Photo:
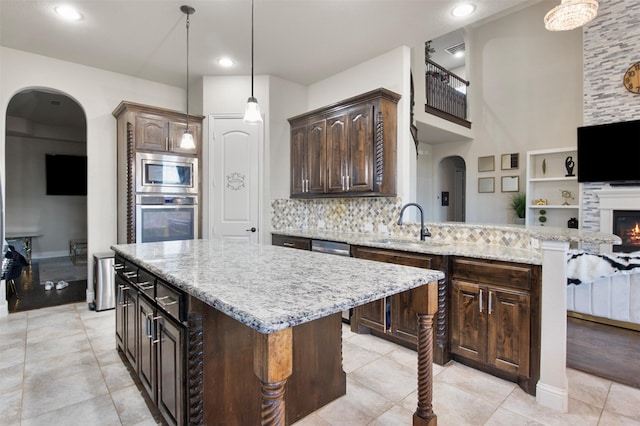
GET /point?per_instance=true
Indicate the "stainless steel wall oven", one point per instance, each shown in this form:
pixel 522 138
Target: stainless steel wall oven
pixel 166 217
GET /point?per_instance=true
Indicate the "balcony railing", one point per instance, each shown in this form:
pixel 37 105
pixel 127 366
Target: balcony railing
pixel 446 94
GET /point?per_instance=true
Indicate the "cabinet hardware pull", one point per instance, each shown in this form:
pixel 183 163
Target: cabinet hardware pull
pixel 288 244
pixel 145 285
pixel 343 182
pixel 490 307
pixel 347 183
pixel 121 290
pixel 480 300
pixel 118 266
pixel 130 274
pixel 147 320
pixel 153 329
pixel 160 301
pixel 307 183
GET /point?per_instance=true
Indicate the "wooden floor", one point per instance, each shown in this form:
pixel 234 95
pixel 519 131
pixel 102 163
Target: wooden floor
pixel 604 350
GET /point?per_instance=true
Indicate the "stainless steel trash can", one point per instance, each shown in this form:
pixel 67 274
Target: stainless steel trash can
pixel 103 281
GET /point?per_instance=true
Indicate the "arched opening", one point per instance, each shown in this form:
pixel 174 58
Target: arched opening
pixel 46 197
pixel 452 181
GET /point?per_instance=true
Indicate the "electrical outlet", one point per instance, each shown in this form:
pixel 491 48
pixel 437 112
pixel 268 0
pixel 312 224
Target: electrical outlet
pixel 535 243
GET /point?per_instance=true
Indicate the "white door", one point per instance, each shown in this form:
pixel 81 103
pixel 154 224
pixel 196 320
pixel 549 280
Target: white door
pixel 234 160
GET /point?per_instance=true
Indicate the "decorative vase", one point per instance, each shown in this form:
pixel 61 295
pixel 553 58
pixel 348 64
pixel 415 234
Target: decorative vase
pixel 572 223
pixel 569 164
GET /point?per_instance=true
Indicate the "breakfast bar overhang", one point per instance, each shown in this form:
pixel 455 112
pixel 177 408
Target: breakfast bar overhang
pixel 273 300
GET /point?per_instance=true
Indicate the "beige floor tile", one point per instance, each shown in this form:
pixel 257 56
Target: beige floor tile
pixel 395 416
pixel 454 406
pixel 612 419
pixel 404 356
pixel 42 397
pixel 492 389
pixel 131 405
pixel 312 420
pixel 52 368
pixel 51 348
pixel 100 322
pixel 116 376
pixel 9 324
pixel 17 338
pixel 12 356
pixel 10 407
pixel 579 413
pixel 358 407
pixel 354 356
pixel 11 378
pixel 587 388
pixel 503 417
pixel 109 356
pixel 388 378
pixel 624 400
pixel 53 330
pixel 373 344
pixel 96 411
pixel 49 311
pixel 149 422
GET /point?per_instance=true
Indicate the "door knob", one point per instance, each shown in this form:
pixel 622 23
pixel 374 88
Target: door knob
pixel 253 229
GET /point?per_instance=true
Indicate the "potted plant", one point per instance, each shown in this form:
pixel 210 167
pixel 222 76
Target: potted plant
pixel 519 206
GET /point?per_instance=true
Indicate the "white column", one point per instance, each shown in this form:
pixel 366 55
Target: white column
pixel 552 388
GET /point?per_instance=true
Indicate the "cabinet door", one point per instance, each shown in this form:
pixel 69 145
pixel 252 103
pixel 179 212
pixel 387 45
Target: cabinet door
pixel 151 132
pixel 292 242
pixel 373 315
pixel 509 330
pixel 404 319
pixel 469 320
pixel 131 327
pixel 316 157
pixel 360 148
pixel 147 357
pixel 171 360
pixel 121 289
pixel 176 130
pixel 336 153
pixel 298 159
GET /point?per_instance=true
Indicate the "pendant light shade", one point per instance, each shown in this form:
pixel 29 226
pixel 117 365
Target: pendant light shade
pixel 252 113
pixel 570 14
pixel 187 141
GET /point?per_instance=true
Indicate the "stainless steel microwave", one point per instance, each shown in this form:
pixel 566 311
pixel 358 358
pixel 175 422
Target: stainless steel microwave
pixel 166 174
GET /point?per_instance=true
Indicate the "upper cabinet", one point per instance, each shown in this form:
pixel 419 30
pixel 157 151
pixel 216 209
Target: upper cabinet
pixel 158 129
pixel 346 149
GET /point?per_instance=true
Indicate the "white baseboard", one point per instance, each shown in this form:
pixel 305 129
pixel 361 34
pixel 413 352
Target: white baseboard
pixel 552 397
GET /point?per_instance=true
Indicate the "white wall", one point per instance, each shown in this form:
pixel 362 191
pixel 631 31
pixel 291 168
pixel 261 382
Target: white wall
pixel 98 92
pixel 525 94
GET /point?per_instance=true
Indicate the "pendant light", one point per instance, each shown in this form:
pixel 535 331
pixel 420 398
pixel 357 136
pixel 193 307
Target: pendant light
pixel 187 138
pixel 252 111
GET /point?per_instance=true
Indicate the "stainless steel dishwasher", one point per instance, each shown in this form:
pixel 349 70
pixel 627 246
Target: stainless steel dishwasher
pixel 338 249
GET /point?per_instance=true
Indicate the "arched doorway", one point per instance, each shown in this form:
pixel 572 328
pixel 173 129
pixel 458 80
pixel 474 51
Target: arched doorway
pixel 46 197
pixel 452 173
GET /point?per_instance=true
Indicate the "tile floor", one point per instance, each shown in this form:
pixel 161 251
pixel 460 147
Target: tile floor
pixel 58 366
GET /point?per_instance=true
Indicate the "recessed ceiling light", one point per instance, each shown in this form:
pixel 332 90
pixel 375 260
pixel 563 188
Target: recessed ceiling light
pixel 68 12
pixel 463 10
pixel 226 62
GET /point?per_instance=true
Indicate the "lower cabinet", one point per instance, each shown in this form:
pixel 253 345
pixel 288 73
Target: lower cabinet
pixel 495 324
pixel 394 318
pixel 151 335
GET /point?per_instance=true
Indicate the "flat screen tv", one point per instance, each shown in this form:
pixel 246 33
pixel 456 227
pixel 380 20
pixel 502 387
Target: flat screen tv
pixel 609 153
pixel 66 174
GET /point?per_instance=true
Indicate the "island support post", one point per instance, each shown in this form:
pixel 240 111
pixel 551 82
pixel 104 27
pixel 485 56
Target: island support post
pixel 425 303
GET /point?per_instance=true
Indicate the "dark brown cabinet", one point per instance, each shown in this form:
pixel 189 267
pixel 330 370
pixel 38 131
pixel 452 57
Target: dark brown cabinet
pixel 347 149
pixel 159 132
pixel 494 318
pixel 393 317
pixel 292 242
pixel 171 340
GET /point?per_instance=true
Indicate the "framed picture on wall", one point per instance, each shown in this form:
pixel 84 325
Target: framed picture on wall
pixel 486 164
pixel 510 183
pixel 486 184
pixel 509 161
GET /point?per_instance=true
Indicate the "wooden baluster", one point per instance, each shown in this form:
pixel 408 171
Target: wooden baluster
pixel 272 364
pixel 426 305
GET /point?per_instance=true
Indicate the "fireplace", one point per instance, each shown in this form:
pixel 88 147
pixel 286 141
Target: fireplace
pixel 626 225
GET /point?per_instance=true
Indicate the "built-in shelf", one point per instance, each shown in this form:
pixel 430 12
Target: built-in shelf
pixel 547 180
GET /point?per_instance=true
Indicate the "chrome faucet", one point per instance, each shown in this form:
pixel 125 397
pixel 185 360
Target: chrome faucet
pixel 424 232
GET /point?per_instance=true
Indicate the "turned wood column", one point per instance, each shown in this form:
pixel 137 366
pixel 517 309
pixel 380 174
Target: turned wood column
pixel 426 305
pixel 272 363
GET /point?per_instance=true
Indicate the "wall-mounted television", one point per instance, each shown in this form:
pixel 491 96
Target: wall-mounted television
pixel 66 174
pixel 609 153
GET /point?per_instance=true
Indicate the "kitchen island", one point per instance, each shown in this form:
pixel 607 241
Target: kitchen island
pixel 248 307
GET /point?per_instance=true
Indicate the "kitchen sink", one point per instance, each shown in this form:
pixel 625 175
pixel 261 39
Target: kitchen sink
pixel 403 241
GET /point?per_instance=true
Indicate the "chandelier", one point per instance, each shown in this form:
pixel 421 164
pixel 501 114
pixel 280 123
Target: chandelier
pixel 570 14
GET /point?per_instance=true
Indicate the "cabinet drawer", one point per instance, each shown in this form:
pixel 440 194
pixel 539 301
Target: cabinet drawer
pixel 146 283
pixel 398 257
pixel 170 300
pixel 293 242
pixel 491 271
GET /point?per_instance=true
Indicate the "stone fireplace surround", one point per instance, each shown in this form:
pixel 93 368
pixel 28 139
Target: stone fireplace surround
pixel 615 198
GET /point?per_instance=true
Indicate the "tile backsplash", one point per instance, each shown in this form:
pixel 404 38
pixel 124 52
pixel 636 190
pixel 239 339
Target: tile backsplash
pixel 380 216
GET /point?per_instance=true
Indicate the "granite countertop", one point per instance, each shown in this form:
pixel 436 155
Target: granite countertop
pixel 457 248
pixel 437 247
pixel 271 288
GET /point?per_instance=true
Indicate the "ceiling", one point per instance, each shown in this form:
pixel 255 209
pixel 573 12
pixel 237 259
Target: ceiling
pixel 303 41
